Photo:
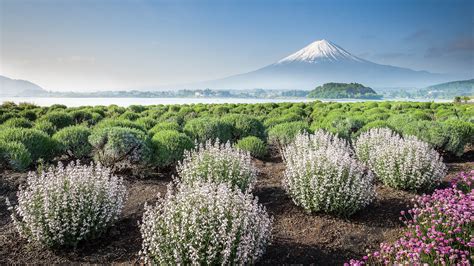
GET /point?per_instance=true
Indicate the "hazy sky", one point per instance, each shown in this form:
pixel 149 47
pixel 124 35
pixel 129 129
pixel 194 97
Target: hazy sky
pixel 102 44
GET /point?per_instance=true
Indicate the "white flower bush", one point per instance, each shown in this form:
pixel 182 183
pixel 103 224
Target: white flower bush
pixel 205 224
pixel 321 175
pixel 402 163
pixel 64 205
pixel 216 162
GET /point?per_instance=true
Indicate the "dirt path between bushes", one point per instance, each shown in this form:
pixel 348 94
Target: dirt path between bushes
pixel 299 237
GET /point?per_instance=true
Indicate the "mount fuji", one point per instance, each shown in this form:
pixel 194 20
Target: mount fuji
pixel 320 62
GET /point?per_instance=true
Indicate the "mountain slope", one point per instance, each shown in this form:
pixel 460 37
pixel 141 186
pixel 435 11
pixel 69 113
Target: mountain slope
pixel 451 89
pixel 322 62
pixel 17 87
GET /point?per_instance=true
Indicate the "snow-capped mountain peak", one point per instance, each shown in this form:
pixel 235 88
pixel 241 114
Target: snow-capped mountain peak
pixel 320 51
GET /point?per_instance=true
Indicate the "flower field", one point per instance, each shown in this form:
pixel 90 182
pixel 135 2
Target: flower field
pixel 323 183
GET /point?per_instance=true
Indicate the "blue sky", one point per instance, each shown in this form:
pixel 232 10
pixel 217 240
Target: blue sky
pixel 105 44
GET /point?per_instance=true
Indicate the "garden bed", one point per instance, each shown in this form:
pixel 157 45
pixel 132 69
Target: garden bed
pixel 299 237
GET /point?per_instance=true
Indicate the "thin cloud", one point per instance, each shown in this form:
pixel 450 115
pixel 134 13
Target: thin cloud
pixel 418 35
pixel 393 55
pixel 76 59
pixel 460 44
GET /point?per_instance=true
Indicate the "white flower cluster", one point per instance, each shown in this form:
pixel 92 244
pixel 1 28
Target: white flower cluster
pixel 216 162
pixel 403 163
pixel 322 175
pixel 64 205
pixel 205 224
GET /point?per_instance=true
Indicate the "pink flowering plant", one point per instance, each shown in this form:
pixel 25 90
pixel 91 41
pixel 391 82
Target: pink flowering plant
pixel 322 175
pixel 64 205
pixel 439 229
pixel 205 224
pixel 213 161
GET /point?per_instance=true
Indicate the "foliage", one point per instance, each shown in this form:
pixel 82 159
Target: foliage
pixel 14 155
pixel 18 122
pixel 64 205
pixel 402 163
pixel 322 176
pixel 164 126
pixel 208 224
pixel 343 90
pixel 170 146
pixel 73 141
pixel 45 126
pixel 146 122
pixel 283 134
pixel 202 129
pixel 216 162
pixel 254 145
pixel 244 126
pixel 121 148
pixel 118 123
pixel 59 119
pixel 38 143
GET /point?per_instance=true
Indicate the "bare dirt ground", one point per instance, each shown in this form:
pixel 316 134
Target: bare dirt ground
pixel 299 237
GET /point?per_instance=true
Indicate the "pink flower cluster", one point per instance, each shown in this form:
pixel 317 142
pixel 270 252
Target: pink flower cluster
pixel 440 229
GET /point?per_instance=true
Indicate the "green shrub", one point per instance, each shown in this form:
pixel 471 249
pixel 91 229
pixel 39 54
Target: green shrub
pixel 164 126
pixel 83 116
pixel 202 129
pixel 279 119
pixel 14 155
pixel 146 122
pixel 128 115
pixel 137 108
pixel 254 145
pixel 373 124
pixel 38 143
pixel 73 141
pixel 344 127
pixel 283 134
pixel 450 136
pixel 45 126
pixel 18 122
pixel 58 119
pixel 170 146
pixel 244 126
pixel 121 148
pixel 118 123
pixel 460 134
pixel 29 114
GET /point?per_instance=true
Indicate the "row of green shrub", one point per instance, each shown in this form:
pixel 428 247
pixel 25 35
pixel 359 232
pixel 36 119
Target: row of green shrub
pixel 45 132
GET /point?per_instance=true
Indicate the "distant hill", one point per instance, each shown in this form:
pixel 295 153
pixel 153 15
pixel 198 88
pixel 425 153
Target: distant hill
pixel 18 87
pixel 451 89
pixel 343 90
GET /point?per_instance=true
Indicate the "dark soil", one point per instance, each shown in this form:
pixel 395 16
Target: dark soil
pixel 299 237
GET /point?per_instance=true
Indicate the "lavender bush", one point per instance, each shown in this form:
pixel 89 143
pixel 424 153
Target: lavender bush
pixel 321 175
pixel 439 230
pixel 216 162
pixel 64 205
pixel 205 224
pixel 403 163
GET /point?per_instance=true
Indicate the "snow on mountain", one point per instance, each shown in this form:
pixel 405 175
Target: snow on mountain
pixel 320 51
